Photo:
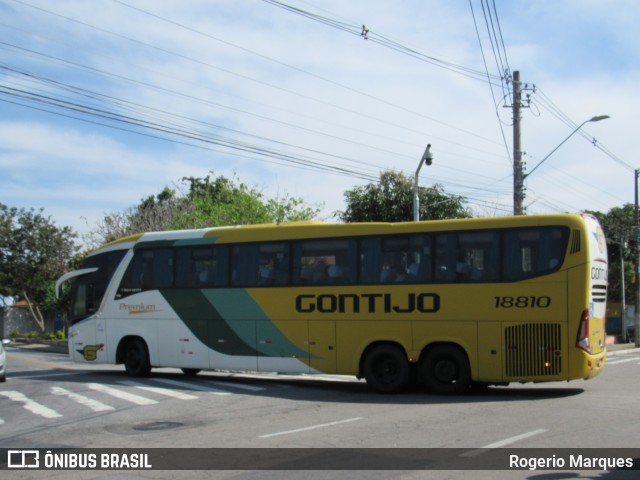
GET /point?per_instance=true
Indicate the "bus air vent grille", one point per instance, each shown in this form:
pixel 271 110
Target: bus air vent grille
pixel 533 350
pixel 575 241
pixel 599 293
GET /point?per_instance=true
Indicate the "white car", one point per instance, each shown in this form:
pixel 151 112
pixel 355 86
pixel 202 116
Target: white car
pixel 3 360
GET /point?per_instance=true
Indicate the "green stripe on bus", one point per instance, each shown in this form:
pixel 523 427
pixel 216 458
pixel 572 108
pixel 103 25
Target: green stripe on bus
pixel 206 323
pixel 225 321
pixel 237 304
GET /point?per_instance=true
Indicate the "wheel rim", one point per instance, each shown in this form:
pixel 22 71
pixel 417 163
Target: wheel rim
pixel 133 358
pixel 445 371
pixel 386 370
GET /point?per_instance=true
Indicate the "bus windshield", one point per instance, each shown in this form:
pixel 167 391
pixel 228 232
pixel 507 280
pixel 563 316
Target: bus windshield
pixel 88 289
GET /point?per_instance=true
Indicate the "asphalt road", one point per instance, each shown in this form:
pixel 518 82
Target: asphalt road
pixel 49 402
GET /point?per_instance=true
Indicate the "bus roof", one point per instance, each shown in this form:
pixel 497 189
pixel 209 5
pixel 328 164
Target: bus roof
pixel 319 229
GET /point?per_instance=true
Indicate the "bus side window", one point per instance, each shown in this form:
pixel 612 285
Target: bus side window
pixel 324 262
pixel 244 264
pixel 468 257
pixel 446 258
pixel 260 264
pixel 530 252
pixel 478 254
pixel 395 259
pixel 197 267
pixel 371 259
pixel 420 260
pixel 150 269
pixel 274 264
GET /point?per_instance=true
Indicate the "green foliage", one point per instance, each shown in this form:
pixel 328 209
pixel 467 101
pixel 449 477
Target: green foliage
pixel 207 202
pixel 391 200
pixel 221 201
pixel 33 253
pixel 33 335
pixel 618 226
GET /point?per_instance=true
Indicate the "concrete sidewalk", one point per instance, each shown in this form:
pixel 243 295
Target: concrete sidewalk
pixel 618 348
pixel 53 346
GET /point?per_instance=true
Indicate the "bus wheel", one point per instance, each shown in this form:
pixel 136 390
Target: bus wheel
pixel 445 370
pixel 136 359
pixel 190 372
pixel 387 369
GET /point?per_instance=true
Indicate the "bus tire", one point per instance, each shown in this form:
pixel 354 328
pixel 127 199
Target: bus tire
pixel 190 372
pixel 387 369
pixel 136 358
pixel 445 370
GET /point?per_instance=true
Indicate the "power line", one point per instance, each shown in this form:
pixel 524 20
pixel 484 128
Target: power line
pixel 153 123
pixel 373 37
pixel 542 99
pixel 495 103
pixel 246 77
pixel 81 110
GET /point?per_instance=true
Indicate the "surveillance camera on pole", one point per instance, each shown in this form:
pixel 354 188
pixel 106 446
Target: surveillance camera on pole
pixel 427 158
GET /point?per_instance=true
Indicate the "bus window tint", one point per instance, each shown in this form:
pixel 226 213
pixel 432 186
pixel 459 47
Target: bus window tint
pixel 201 267
pixel 446 257
pixel 260 265
pixel 325 262
pixel 529 252
pixel 150 269
pixel 478 256
pixel 395 259
pixel 469 257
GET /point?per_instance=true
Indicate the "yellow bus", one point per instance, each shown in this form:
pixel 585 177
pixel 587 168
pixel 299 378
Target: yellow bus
pixel 441 303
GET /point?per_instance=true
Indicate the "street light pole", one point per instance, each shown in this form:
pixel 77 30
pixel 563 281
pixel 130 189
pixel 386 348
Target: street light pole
pixel 427 157
pixel 592 119
pixel 636 237
pixel 519 177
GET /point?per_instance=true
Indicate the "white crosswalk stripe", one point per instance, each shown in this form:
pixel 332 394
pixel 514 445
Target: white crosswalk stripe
pixel 94 405
pixel 239 386
pixel 172 388
pixel 191 386
pixel 618 361
pixel 122 395
pixel 159 390
pixel 31 405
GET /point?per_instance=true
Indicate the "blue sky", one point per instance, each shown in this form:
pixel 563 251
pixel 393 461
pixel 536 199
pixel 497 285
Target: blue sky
pixel 312 110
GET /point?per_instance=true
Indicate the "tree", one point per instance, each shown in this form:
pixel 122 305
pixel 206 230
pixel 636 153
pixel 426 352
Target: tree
pixel 391 200
pixel 224 201
pixel 208 202
pixel 154 213
pixel 33 253
pixel 618 225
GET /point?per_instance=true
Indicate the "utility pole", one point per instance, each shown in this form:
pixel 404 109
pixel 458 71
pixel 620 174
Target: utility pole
pixel 636 235
pixel 518 182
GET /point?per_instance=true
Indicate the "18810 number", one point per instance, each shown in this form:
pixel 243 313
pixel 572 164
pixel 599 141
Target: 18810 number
pixel 523 302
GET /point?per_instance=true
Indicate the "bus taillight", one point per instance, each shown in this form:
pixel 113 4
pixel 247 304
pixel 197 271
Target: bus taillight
pixel 582 341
